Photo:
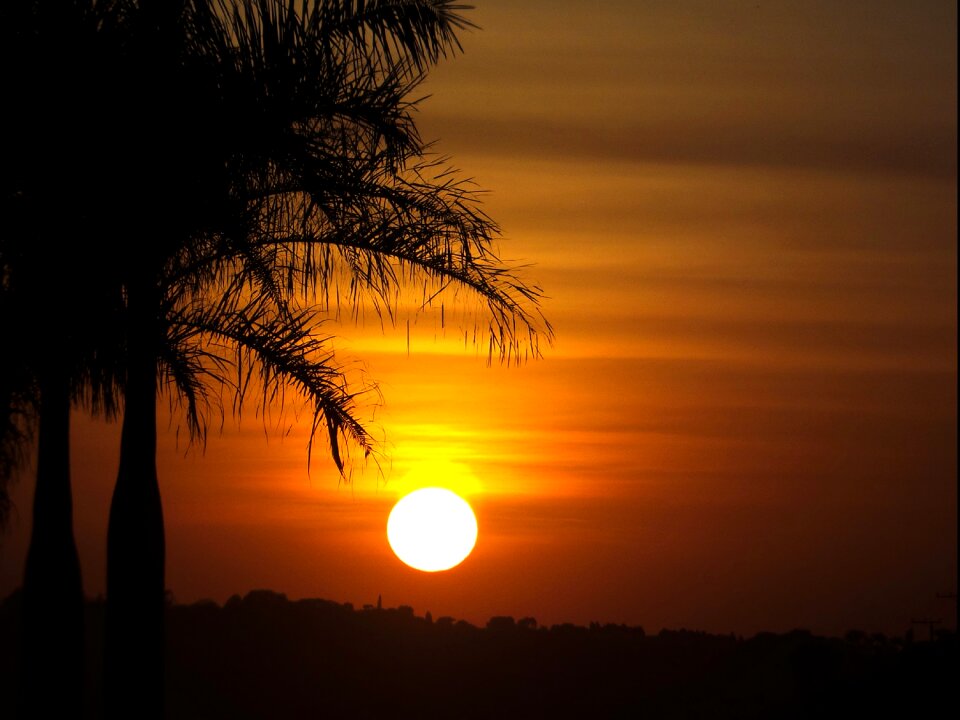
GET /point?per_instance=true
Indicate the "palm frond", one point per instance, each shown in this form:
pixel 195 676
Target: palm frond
pixel 386 232
pixel 245 342
pixel 343 191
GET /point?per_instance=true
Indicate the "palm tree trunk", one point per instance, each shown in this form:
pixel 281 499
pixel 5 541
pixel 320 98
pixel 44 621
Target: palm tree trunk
pixel 52 586
pixel 134 642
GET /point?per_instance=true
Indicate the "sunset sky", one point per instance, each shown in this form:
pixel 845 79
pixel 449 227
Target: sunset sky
pixel 744 216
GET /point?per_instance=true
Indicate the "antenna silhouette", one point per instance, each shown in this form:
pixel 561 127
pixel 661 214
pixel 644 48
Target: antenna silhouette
pixel 930 622
pixel 950 596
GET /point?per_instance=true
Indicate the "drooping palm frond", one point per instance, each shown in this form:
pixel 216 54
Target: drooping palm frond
pixel 247 343
pixel 326 188
pixel 393 231
pixel 292 125
pixel 341 185
pixel 91 366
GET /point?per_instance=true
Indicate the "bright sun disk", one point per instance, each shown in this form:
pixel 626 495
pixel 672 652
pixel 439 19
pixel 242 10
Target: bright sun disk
pixel 432 529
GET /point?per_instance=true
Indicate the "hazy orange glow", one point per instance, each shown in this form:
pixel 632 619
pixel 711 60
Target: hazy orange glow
pixel 745 218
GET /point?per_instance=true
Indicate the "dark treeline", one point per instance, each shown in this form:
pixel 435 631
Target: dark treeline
pixel 263 656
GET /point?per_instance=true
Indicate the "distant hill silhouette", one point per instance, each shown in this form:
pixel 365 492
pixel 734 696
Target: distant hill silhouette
pixel 264 656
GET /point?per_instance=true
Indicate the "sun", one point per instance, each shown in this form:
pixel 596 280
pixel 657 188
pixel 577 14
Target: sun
pixel 432 529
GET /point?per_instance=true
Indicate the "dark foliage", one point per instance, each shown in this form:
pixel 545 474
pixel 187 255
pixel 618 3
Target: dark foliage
pixel 263 656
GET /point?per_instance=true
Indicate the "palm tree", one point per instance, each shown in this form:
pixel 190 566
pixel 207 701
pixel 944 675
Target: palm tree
pixel 336 170
pixel 36 397
pixel 46 379
pixel 313 168
pixel 119 315
pixel 242 338
pixel 54 314
pixel 300 169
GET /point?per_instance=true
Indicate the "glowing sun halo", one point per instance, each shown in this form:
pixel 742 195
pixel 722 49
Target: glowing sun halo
pixel 432 529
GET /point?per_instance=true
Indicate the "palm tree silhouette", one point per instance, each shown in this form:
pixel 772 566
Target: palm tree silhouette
pixel 38 387
pixel 56 315
pixel 324 184
pixel 299 170
pixel 84 52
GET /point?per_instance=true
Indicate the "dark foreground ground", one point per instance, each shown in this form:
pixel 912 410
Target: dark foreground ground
pixel 263 656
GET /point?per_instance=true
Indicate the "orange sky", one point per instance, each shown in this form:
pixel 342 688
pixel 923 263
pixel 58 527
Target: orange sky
pixel 744 215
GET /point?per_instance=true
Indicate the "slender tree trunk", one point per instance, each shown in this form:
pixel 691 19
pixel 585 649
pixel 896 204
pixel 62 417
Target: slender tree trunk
pixel 52 586
pixel 134 644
